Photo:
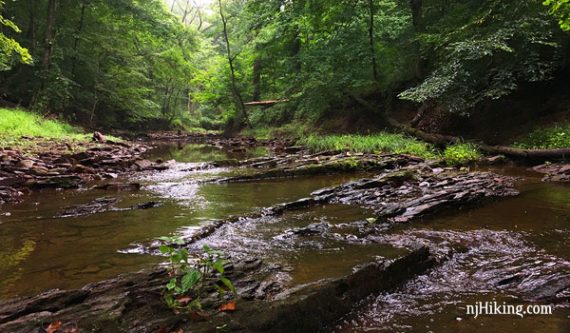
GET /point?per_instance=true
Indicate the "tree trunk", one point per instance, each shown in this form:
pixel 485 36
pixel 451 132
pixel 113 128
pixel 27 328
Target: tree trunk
pixel 186 12
pixel 256 81
pixel 76 41
pixel 371 40
pixel 32 28
pixel 416 9
pixel 93 109
pixel 50 33
pixel 235 89
pixel 296 51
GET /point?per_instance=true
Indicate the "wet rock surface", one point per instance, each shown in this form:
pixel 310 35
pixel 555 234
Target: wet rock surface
pixel 406 194
pixel 295 165
pixel 557 172
pixel 133 302
pixel 100 205
pixel 404 188
pixel 234 144
pixel 55 165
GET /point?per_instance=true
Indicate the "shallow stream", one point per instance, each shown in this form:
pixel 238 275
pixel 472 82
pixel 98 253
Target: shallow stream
pixel 512 245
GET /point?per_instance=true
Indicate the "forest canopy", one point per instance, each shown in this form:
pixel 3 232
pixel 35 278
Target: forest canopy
pixel 188 63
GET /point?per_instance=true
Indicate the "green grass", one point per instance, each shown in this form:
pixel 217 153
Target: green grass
pixel 554 137
pixel 17 123
pixel 460 154
pixel 377 143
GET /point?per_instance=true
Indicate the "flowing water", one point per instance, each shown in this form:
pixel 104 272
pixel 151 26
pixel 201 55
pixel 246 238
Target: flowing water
pixel 504 249
pixel 513 246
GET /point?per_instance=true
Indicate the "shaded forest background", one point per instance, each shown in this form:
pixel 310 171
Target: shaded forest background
pixel 437 64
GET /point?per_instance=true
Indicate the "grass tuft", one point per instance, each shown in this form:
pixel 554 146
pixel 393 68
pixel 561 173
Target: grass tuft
pixel 460 154
pixel 377 143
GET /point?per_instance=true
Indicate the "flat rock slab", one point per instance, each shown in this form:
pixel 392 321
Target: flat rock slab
pixel 297 165
pixel 557 172
pixel 133 303
pixel 406 194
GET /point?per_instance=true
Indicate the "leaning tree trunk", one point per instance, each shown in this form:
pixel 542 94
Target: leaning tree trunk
pixel 50 33
pixel 371 40
pixel 235 89
pixel 78 32
pixel 256 80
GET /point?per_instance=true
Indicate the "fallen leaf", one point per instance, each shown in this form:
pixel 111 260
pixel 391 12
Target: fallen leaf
pixel 53 327
pixel 184 300
pixel 199 315
pixel 178 331
pixel 162 329
pixel 231 306
pixel 71 330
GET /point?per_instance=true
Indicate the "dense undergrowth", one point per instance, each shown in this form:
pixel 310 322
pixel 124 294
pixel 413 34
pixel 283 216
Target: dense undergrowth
pixel 557 136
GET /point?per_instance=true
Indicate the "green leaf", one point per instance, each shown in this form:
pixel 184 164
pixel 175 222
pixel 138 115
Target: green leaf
pixel 219 266
pixel 190 280
pixel 164 249
pixel 228 284
pixel 171 284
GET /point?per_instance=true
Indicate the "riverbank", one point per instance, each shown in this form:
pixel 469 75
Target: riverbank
pixel 38 153
pixel 46 163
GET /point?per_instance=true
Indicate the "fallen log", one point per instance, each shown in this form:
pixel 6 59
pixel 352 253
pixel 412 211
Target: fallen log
pixel 444 140
pixel 267 103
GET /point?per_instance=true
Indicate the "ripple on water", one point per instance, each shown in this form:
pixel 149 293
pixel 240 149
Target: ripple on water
pixel 487 265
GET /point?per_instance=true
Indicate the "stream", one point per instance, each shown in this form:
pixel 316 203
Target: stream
pixel 514 244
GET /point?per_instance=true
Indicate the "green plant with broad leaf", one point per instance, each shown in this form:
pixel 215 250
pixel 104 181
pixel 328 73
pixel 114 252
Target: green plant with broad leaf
pixel 191 274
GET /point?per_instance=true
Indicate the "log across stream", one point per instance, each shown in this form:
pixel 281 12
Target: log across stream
pixel 331 242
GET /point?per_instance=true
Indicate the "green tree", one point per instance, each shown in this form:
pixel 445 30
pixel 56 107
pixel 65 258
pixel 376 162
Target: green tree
pixel 560 9
pixel 10 50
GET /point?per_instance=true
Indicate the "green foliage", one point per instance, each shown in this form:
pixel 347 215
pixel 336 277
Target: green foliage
pixel 557 136
pixel 131 63
pixel 483 50
pixel 378 143
pixel 460 154
pixel 111 62
pixel 318 53
pixel 10 49
pixel 561 10
pixel 191 276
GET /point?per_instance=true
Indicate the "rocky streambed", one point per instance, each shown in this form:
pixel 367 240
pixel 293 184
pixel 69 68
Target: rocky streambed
pixel 317 254
pixel 61 165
